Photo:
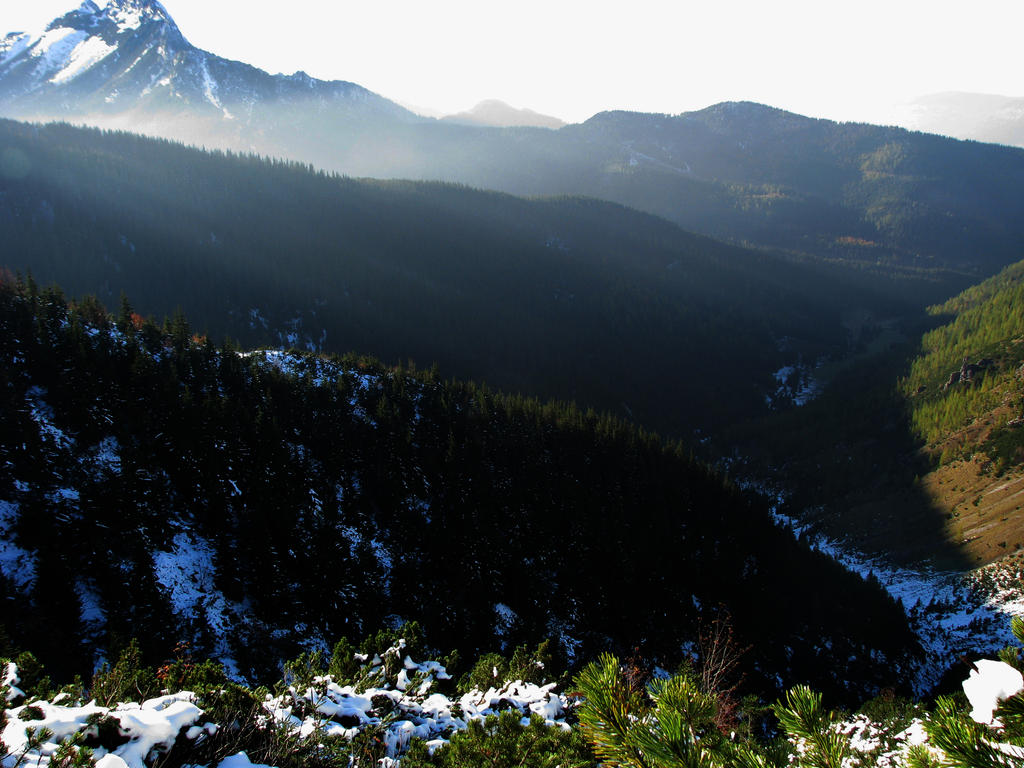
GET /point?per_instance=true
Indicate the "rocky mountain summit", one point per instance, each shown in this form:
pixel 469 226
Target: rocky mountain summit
pixel 128 59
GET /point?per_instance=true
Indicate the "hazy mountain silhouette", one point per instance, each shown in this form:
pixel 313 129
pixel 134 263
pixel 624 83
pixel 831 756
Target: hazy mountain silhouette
pixel 886 198
pixel 498 114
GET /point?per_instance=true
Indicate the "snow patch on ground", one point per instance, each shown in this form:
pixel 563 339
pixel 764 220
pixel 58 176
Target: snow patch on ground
pixel 405 707
pixel 874 742
pixel 386 563
pixel 241 760
pixel 989 683
pixel 125 16
pixel 151 727
pixel 255 316
pixel 187 575
pixel 395 694
pixel 415 504
pixel 794 384
pixel 105 458
pixel 210 90
pixel 504 620
pixel 84 55
pixel 13 44
pixel 42 415
pixel 16 564
pixel 65 495
pixel 91 610
pixel 951 616
pixel 55 48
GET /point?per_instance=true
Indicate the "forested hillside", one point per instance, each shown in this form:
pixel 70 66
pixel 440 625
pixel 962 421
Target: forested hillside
pixel 882 197
pixel 569 298
pixel 915 450
pixel 156 486
pixel 969 370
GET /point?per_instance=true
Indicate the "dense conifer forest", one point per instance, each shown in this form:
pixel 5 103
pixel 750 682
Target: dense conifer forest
pixel 568 298
pixel 970 368
pixel 268 500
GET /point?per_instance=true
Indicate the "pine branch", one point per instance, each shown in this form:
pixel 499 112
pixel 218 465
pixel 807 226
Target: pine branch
pixel 805 720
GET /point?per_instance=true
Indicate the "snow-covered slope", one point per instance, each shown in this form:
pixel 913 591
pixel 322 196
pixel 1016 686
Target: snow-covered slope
pixel 953 614
pixel 130 56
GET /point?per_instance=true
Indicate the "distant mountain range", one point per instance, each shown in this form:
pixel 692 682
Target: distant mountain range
pixel 888 199
pixel 976 116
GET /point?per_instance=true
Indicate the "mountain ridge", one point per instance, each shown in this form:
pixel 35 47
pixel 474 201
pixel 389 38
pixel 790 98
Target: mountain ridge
pixel 132 51
pixel 428 271
pixel 886 199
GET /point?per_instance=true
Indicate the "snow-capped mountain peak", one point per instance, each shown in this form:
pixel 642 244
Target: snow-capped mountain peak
pixel 108 59
pixel 83 39
pixel 114 16
pixel 132 14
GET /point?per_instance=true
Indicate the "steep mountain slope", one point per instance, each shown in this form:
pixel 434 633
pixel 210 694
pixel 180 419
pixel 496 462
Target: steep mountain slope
pixel 965 391
pixel 129 63
pixel 887 199
pixel 915 452
pixel 567 298
pixel 881 196
pixel 153 485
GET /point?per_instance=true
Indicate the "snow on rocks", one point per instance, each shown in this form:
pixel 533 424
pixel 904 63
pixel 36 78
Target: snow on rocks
pixel 91 612
pixel 401 702
pixel 874 744
pixel 989 683
pixel 526 697
pixel 153 725
pixel 241 760
pixel 878 744
pixel 10 681
pixel 34 731
pixel 504 620
pixel 54 51
pixel 13 44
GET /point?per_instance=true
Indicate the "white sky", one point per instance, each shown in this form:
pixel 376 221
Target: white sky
pixel 847 60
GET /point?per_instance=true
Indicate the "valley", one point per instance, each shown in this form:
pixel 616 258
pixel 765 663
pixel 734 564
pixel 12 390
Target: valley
pixel 297 385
